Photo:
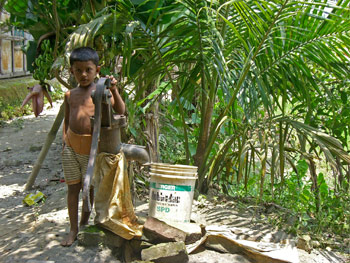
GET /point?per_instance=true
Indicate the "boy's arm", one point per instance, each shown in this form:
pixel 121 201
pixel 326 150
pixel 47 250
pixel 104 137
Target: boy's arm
pixel 66 115
pixel 116 100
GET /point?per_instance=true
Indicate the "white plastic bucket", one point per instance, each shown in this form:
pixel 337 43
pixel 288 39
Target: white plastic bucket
pixel 174 167
pixel 165 171
pixel 171 197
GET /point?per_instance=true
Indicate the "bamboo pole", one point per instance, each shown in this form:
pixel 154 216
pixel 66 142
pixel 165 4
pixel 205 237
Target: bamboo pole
pixel 44 150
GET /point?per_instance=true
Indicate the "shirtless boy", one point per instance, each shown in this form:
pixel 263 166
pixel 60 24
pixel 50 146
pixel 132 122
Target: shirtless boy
pixel 77 131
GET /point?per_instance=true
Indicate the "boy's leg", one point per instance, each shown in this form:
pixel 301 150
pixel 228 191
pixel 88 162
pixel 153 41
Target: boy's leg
pixel 85 215
pixel 73 203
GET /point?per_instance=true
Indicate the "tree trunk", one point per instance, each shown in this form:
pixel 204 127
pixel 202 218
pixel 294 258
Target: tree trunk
pixel 340 175
pixel 247 171
pixel 263 164
pixel 281 153
pixel 348 178
pixel 202 146
pixel 152 133
pixel 315 186
pixel 273 163
pixel 44 150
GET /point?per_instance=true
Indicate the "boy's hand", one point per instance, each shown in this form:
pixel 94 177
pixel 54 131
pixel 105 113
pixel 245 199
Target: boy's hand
pixel 113 82
pixel 116 100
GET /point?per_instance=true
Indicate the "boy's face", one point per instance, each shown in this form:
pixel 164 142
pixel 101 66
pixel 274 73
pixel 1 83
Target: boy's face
pixel 84 72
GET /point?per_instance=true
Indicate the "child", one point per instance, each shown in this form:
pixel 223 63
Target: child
pixel 77 131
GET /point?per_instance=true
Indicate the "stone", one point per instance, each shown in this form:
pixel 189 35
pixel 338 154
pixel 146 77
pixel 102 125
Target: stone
pixel 131 251
pixel 157 231
pixel 141 220
pixel 193 231
pixel 35 148
pixel 279 236
pixel 94 236
pixel 8 149
pixel 171 252
pixel 128 252
pixel 136 245
pixel 222 244
pixel 315 244
pixel 145 244
pixel 304 243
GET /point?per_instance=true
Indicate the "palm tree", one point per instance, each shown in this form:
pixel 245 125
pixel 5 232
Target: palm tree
pixel 243 62
pixel 250 69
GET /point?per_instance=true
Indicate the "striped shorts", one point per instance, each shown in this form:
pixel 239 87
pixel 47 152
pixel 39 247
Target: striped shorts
pixel 74 165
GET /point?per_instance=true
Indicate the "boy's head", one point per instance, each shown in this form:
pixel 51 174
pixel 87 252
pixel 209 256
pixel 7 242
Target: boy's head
pixel 84 65
pixel 84 54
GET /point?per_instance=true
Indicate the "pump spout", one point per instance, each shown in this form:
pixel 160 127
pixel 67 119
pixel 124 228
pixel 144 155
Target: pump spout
pixel 134 152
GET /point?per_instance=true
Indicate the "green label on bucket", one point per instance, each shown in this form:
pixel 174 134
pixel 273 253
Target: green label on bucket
pixel 171 187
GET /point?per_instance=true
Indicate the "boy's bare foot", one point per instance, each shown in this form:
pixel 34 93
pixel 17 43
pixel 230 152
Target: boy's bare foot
pixel 70 238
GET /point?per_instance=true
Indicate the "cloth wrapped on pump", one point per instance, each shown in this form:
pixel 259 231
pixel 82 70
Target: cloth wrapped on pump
pixel 113 205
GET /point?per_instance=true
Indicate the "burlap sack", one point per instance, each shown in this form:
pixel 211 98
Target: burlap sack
pixel 113 205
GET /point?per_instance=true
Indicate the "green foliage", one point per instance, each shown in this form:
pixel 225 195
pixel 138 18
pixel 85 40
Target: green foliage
pixel 334 205
pixel 36 16
pixel 171 144
pixel 13 110
pixel 298 196
pixel 93 229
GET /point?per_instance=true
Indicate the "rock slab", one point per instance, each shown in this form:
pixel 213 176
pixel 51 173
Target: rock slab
pixel 171 252
pixel 157 231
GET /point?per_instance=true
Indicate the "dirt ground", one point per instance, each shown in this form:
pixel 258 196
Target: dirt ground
pixel 33 234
